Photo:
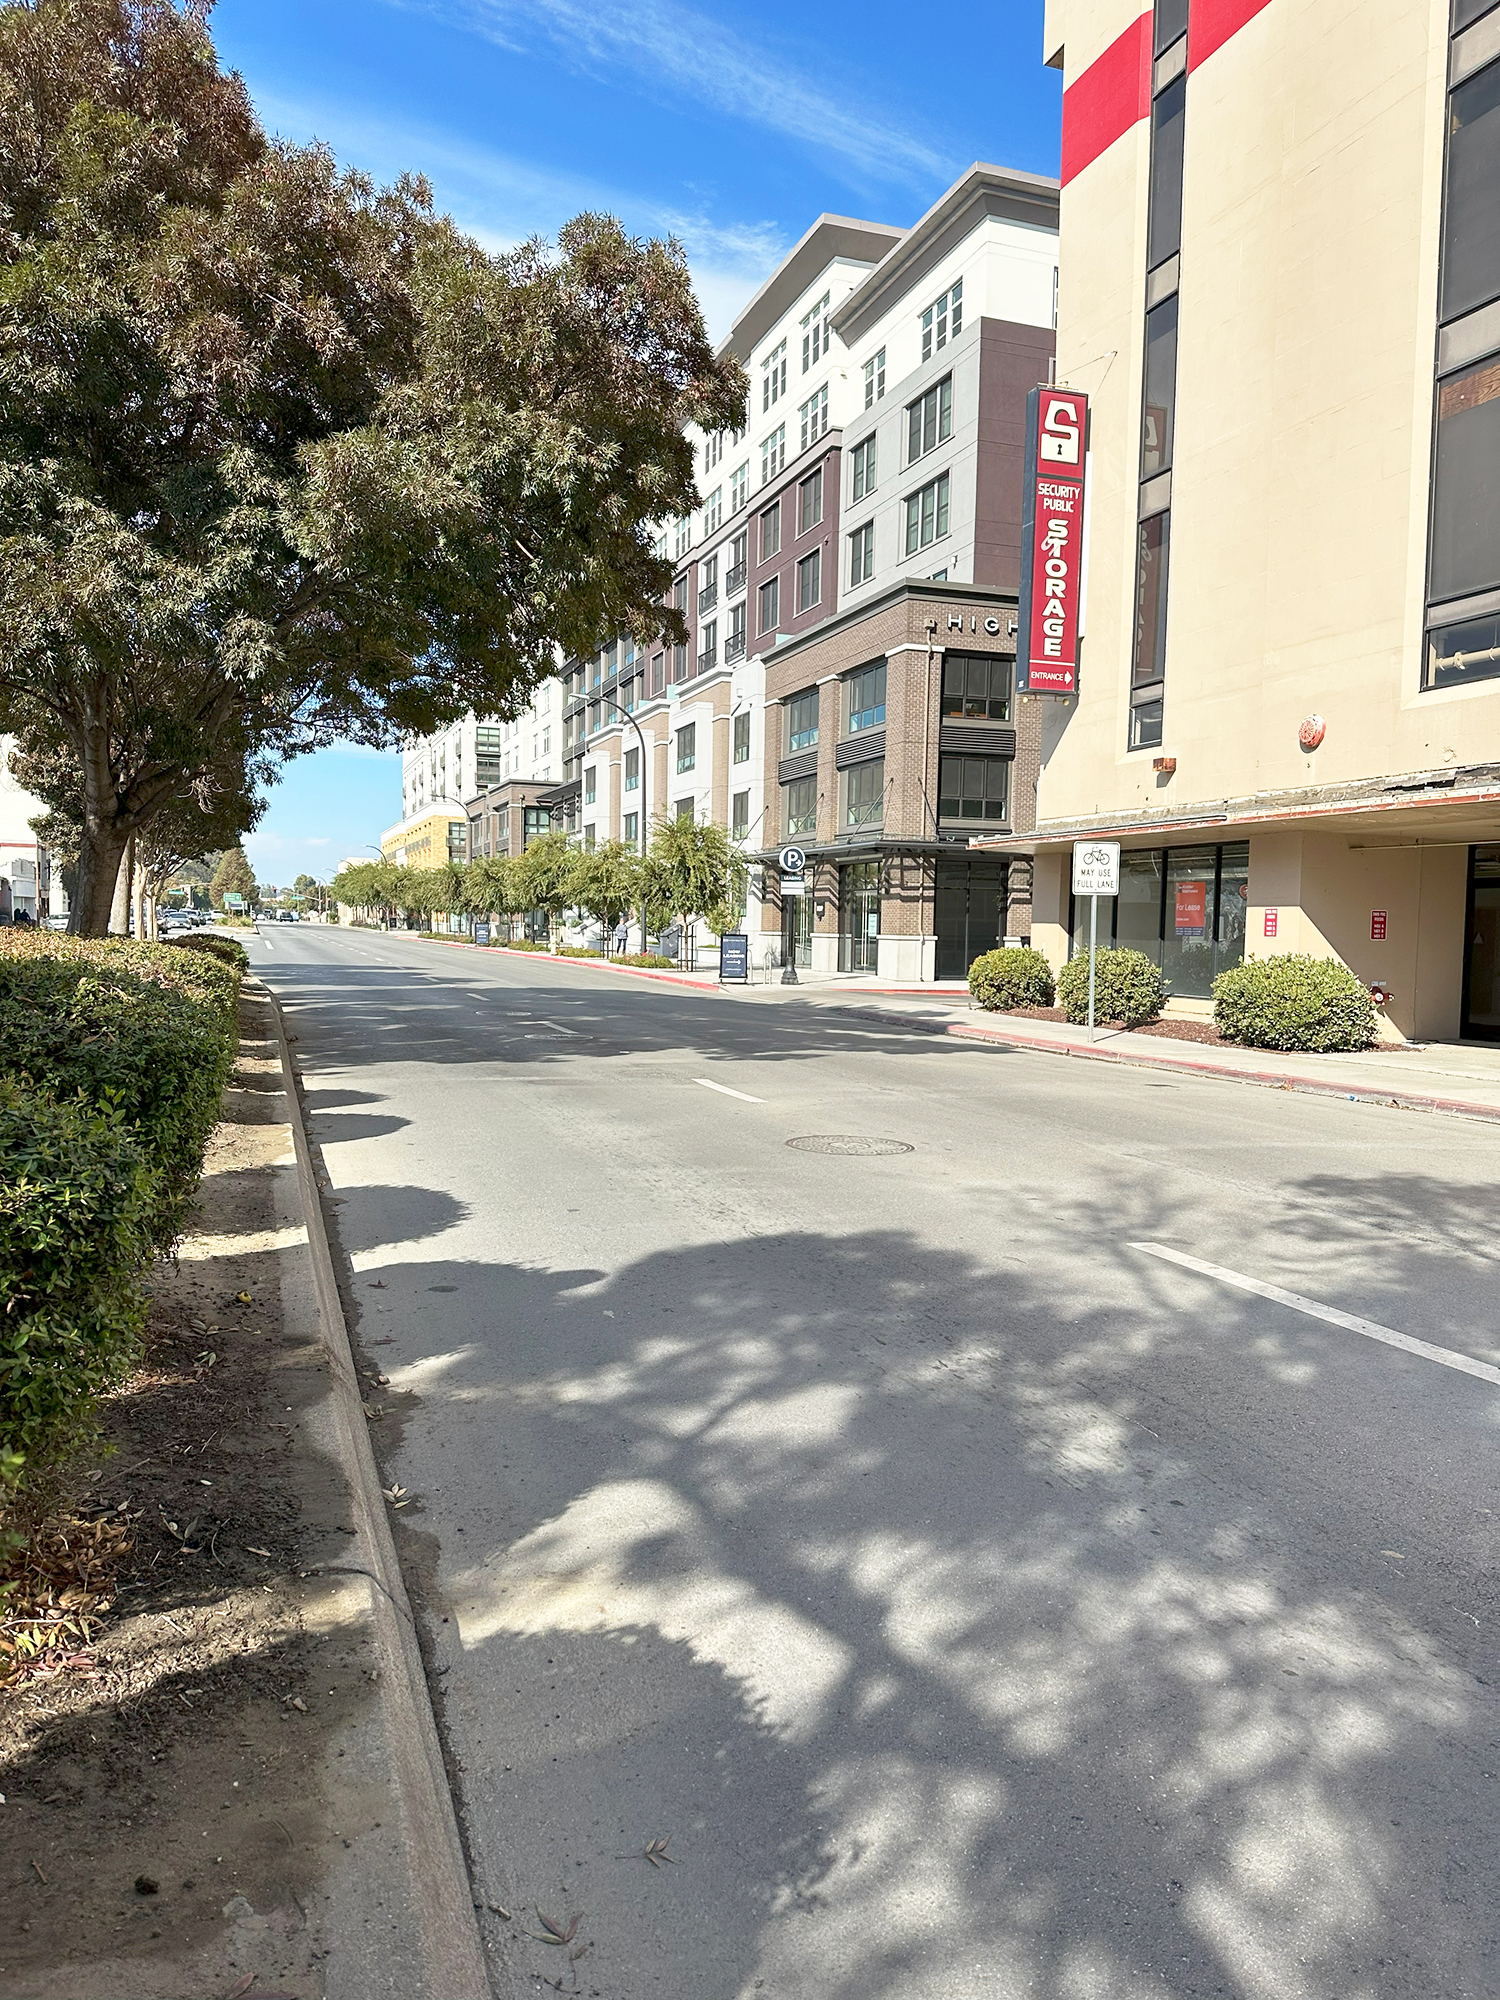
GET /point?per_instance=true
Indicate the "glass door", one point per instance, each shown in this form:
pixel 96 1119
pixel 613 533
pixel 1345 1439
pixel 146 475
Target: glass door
pixel 796 930
pixel 859 917
pixel 1481 1015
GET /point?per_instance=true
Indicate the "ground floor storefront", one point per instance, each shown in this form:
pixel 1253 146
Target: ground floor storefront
pixel 1409 902
pixel 896 913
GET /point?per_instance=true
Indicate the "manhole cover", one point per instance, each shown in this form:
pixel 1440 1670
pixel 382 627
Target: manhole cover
pixel 849 1145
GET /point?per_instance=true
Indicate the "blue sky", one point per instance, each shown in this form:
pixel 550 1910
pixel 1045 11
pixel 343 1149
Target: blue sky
pixel 731 126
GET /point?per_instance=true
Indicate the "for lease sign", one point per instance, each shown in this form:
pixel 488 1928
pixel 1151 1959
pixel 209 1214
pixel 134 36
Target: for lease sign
pixel 1052 540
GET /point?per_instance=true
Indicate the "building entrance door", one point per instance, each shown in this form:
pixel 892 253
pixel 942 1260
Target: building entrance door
pixel 971 903
pixel 1481 1015
pixel 796 931
pixel 859 917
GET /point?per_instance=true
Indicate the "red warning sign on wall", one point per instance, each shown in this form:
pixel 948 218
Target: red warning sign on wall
pixel 1271 920
pixel 1377 923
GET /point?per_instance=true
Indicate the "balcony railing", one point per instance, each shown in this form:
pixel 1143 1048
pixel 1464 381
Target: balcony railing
pixel 734 649
pixel 708 597
pixel 735 579
pixel 707 658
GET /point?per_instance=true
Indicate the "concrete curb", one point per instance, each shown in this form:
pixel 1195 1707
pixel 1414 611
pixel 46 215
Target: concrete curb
pixel 702 985
pixel 438 1883
pixel 1268 1079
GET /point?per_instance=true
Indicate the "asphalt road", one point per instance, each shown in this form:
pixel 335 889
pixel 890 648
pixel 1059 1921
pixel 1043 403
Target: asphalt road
pixel 977 1603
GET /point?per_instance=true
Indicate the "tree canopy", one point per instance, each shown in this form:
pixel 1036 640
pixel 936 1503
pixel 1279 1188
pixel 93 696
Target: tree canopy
pixel 284 456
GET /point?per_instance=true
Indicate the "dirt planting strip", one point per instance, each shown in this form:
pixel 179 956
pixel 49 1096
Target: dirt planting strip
pixel 205 1773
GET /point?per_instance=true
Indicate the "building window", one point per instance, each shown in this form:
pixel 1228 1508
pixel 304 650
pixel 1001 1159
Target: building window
pixel 734 638
pixel 685 809
pixel 810 501
pixel 588 837
pixel 770 604
pixel 864 794
pixel 713 510
pixel 1164 226
pixel 927 515
pixel 739 487
pixel 770 531
pixel 679 663
pixel 1159 400
pixel 633 769
pixel 862 554
pixel 799 807
pixel 680 595
pixel 874 379
pixel 773 377
pixel 802 722
pixel 589 782
pixel 739 816
pixel 862 479
pixel 708 645
pixel 814 417
pixel 742 738
pixel 738 566
pixel 687 747
pixel 974 788
pixel 815 332
pixel 976 686
pixel 1466 484
pixel 929 420
pixel 632 828
pixel 713 450
pixel 658 673
pixel 943 319
pixel 1471 240
pixel 1148 672
pixel 809 580
pixel 1183 907
pixel 534 820
pixel 708 584
pixel 683 540
pixel 866 698
pixel 772 454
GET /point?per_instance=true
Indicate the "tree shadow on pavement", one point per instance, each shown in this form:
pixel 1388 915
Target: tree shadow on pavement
pixel 967 1639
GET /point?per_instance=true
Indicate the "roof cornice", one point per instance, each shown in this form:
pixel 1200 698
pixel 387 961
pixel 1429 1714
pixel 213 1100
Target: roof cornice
pixel 830 236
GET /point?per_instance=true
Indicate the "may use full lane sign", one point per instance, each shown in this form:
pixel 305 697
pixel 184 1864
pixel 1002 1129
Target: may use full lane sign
pixel 1052 541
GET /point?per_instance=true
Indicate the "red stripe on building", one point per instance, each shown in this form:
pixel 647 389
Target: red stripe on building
pixel 1111 95
pixel 1212 22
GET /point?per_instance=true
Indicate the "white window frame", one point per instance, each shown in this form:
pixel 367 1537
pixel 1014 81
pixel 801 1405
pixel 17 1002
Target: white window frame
pixel 713 510
pixel 862 461
pixel 739 487
pixel 772 454
pixel 814 416
pixel 943 320
pixel 874 379
pixel 810 568
pixel 815 332
pixel 773 377
pixel 861 555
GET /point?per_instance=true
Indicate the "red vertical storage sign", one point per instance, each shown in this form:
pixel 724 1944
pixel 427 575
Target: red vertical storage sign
pixel 1052 541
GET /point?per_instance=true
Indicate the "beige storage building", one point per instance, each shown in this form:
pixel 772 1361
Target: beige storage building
pixel 1280 287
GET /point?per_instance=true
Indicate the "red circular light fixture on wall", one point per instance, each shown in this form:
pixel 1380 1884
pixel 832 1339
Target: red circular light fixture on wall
pixel 1312 732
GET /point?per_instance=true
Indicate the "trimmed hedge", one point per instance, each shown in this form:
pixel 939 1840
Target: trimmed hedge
pixel 228 951
pixel 1294 1001
pixel 75 1197
pixel 651 961
pixel 144 1032
pixel 1013 976
pixel 114 1055
pixel 1127 987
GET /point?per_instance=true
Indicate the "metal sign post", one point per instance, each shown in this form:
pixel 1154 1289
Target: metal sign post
pixel 1096 873
pixel 792 862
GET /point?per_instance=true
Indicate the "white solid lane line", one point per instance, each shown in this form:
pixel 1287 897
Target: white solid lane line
pixel 743 1095
pixel 1446 1357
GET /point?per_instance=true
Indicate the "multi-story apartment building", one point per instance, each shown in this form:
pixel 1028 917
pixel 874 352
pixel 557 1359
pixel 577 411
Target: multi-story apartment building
pixel 881 453
pixel 29 889
pixel 1281 290
pixel 473 755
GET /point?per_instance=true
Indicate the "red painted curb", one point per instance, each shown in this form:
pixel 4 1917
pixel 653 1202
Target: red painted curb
pixel 588 964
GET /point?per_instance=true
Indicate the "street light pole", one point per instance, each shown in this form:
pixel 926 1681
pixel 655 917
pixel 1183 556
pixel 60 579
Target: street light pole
pixel 625 716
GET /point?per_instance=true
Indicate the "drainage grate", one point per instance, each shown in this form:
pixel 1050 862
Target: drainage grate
pixel 849 1146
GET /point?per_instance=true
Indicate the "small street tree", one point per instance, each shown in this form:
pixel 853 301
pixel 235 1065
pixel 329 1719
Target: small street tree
pixel 544 873
pixel 698 872
pixel 606 882
pixel 498 888
pixel 233 876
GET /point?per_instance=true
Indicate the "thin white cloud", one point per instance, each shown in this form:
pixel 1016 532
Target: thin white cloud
pixel 676 52
pixel 503 200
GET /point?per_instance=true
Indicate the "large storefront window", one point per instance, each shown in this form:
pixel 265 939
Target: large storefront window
pixel 1184 907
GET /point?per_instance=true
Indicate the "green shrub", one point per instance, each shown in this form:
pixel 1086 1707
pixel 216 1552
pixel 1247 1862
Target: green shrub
pixel 1013 976
pixel 1294 1002
pixel 145 1033
pixel 228 951
pixel 651 960
pixel 578 951
pixel 75 1208
pixel 525 944
pixel 1127 987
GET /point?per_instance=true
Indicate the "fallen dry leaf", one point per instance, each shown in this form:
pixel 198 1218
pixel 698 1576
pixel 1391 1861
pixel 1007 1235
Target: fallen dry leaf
pixel 555 1932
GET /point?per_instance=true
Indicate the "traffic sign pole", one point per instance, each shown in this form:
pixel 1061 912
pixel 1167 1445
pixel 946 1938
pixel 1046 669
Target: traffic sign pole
pixel 1096 873
pixel 1093 951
